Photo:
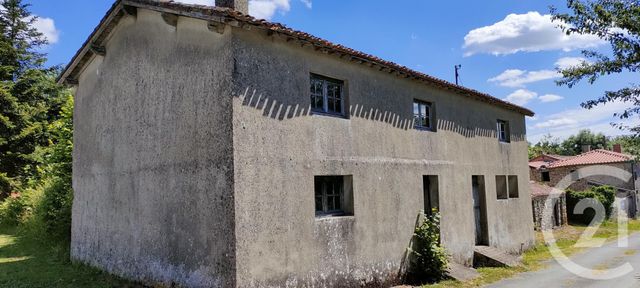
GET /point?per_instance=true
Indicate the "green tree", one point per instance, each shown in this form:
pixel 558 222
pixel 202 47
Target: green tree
pixel 573 144
pixel 30 99
pixel 630 144
pixel 546 145
pixel 617 22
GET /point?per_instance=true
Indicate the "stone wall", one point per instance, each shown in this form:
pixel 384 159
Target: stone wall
pixel 544 213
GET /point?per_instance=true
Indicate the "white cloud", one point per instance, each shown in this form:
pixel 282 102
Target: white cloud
pixel 518 78
pixel 521 96
pixel 530 32
pixel 265 9
pixel 568 62
pixel 47 27
pixel 307 3
pixel 550 98
pixel 570 121
pixel 262 9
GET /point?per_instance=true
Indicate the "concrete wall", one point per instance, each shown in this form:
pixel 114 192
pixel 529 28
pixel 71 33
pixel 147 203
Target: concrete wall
pixel 153 169
pixel 279 147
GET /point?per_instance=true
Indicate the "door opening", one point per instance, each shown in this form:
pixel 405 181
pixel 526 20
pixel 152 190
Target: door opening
pixel 480 210
pixel 430 190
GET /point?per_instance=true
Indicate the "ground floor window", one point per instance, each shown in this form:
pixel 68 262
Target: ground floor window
pixel 333 195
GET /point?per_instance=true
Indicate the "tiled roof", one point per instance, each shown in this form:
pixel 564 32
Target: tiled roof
pixel 538 164
pixel 541 190
pixel 239 19
pixel 546 160
pixel 598 156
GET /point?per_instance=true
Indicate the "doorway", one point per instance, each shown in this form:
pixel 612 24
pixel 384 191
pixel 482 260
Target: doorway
pixel 480 210
pixel 431 195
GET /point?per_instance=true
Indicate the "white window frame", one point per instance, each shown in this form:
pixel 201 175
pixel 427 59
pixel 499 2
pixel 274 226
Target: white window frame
pixel 326 82
pixel 429 110
pixel 503 131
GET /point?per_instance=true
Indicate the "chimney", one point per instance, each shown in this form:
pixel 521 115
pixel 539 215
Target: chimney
pixel 238 5
pixel 586 148
pixel 617 148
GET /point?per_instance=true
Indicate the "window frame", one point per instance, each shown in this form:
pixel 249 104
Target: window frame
pixel 344 197
pixel 326 81
pixel 503 125
pixel 429 111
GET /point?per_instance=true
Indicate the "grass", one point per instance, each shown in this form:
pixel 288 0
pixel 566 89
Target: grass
pixel 26 262
pixel 538 257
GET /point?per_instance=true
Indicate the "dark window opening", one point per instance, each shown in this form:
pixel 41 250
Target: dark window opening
pixel 513 186
pixel 504 135
pixel 327 95
pixel 546 177
pixel 422 115
pixel 333 195
pixel 501 187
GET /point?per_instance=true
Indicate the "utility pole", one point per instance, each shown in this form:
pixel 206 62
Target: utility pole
pixel 458 67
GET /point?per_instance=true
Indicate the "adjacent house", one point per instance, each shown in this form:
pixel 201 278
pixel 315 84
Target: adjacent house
pixel 549 206
pixel 212 149
pixel 612 168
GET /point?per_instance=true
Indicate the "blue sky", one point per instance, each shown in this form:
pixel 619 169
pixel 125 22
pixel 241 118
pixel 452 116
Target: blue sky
pixel 506 48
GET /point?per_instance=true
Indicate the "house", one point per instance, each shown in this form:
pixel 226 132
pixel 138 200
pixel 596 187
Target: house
pixel 612 168
pixel 212 149
pixel 549 206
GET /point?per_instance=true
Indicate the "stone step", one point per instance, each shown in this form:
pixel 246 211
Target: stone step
pixel 461 273
pixel 493 257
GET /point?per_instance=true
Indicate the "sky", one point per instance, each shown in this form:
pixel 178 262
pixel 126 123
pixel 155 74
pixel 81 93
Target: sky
pixel 509 49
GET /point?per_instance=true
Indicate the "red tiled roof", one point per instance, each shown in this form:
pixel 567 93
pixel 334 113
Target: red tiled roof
pixel 598 156
pixel 234 17
pixel 538 164
pixel 541 190
pixel 546 160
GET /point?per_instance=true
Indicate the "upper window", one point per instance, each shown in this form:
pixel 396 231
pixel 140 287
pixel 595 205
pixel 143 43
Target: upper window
pixel 504 135
pixel 333 196
pixel 327 95
pixel 422 115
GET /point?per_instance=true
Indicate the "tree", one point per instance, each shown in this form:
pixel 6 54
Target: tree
pixel 617 22
pixel 630 144
pixel 546 145
pixel 30 99
pixel 573 145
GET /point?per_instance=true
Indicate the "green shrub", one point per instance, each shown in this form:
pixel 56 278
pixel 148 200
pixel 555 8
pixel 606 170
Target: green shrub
pixel 603 194
pixel 428 260
pixel 12 211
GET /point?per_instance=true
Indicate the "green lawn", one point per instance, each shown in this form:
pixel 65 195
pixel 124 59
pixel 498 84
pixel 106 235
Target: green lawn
pixel 28 263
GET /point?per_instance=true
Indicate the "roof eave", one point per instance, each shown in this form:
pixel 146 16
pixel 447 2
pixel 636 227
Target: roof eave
pixel 117 11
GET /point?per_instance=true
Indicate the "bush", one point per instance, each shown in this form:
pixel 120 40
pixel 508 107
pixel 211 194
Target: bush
pixel 12 211
pixel 428 259
pixel 603 194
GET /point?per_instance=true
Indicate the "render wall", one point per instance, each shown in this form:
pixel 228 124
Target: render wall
pixel 152 160
pixel 279 147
